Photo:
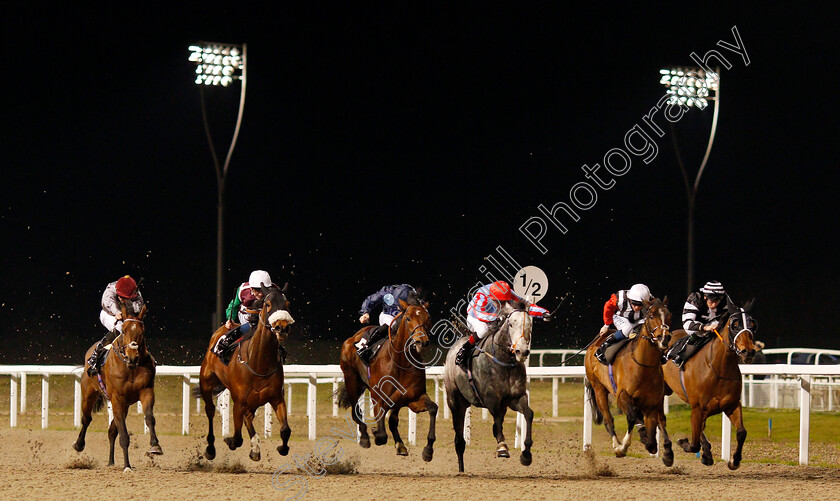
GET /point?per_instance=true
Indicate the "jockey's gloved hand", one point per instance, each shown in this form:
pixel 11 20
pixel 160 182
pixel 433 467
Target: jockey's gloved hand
pixel 546 317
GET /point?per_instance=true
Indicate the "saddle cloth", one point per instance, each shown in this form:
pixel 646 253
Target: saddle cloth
pixel 613 350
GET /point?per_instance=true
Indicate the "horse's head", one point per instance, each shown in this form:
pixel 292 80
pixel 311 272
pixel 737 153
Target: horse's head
pixel 131 344
pixel 741 330
pixel 417 323
pixel 518 323
pixel 658 322
pixel 274 312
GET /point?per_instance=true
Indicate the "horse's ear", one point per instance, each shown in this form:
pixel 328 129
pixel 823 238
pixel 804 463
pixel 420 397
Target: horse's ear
pixel 285 288
pixel 425 304
pixel 730 306
pixel 646 303
pixel 403 305
pixel 142 313
pixel 267 304
pixel 665 301
pixel 749 305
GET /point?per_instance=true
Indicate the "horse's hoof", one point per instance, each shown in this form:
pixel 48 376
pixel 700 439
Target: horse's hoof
pixel 128 470
pixel 401 450
pixel 210 453
pixel 283 449
pixel 78 447
pixel 619 453
pixel 364 442
pixel 381 440
pixel 683 442
pixel 502 453
pixel 155 450
pixel 231 443
pixel 707 460
pixel 732 465
pixel 525 459
pixel 255 456
pixel 428 452
pixel 668 458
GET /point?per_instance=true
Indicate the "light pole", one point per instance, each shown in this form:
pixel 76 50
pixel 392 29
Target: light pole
pixel 692 87
pixel 219 65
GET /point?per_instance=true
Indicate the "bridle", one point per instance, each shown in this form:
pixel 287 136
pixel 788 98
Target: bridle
pixel 744 328
pixel 134 345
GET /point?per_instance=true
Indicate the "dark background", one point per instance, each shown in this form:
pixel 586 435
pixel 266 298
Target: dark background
pixel 386 144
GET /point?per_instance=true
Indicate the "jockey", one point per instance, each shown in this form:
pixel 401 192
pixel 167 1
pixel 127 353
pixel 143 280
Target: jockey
pixel 389 297
pixel 122 293
pixel 483 311
pixel 241 308
pixel 624 312
pixel 701 314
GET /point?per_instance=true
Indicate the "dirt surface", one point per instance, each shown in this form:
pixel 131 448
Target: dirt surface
pixel 40 464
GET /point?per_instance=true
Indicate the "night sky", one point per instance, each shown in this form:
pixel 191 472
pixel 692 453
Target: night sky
pixel 389 144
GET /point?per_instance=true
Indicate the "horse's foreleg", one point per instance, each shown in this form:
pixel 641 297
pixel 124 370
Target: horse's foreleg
pixel 498 432
pixel 394 426
pixel 120 411
pixel 668 454
pixel 285 432
pixel 625 403
pixel 205 386
pixel 113 431
pixel 602 400
pixel 458 406
pixel 697 424
pixel 147 399
pixel 252 433
pixel 706 457
pixel 737 420
pixel 651 423
pixel 236 440
pixel 88 402
pixel 380 434
pixel 425 404
pixel 522 406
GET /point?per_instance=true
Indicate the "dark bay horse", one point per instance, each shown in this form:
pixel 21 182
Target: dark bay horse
pixel 254 376
pixel 128 375
pixel 710 381
pixel 639 384
pixel 396 378
pixel 499 380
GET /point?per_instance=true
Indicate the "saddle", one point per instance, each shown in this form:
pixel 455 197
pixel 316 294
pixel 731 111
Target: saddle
pixel 685 350
pixel 613 350
pixel 373 349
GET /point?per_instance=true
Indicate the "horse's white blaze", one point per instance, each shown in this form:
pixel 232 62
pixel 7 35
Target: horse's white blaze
pixel 281 315
pixel 133 345
pixel 255 443
pixel 520 333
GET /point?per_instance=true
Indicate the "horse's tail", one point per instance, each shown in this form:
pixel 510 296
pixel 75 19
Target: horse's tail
pixel 343 397
pixel 196 392
pixel 100 403
pixel 596 412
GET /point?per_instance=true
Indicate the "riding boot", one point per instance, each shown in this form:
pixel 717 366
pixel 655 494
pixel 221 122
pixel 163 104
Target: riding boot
pixel 601 352
pixel 222 347
pixel 368 339
pixel 93 360
pixel 464 353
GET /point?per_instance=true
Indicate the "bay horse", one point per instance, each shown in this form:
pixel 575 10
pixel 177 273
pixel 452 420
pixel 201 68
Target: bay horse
pixel 128 375
pixel 638 386
pixel 710 381
pixel 396 378
pixel 499 381
pixel 254 376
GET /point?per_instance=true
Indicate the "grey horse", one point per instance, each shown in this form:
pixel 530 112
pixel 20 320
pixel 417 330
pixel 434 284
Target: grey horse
pixel 498 373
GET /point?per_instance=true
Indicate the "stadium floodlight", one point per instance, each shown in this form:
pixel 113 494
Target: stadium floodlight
pixel 692 87
pixel 689 86
pixel 218 64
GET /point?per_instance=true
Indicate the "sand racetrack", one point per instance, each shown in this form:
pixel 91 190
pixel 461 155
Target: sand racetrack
pixel 38 464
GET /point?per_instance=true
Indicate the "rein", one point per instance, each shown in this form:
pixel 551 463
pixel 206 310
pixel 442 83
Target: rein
pixel 402 319
pixel 265 324
pixel 495 343
pixel 121 347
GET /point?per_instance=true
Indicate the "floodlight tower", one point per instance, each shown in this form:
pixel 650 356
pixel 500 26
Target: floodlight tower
pixel 692 87
pixel 219 65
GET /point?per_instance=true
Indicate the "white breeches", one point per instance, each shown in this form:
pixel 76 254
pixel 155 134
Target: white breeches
pixel 478 327
pixel 624 325
pixel 110 322
pixel 385 319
